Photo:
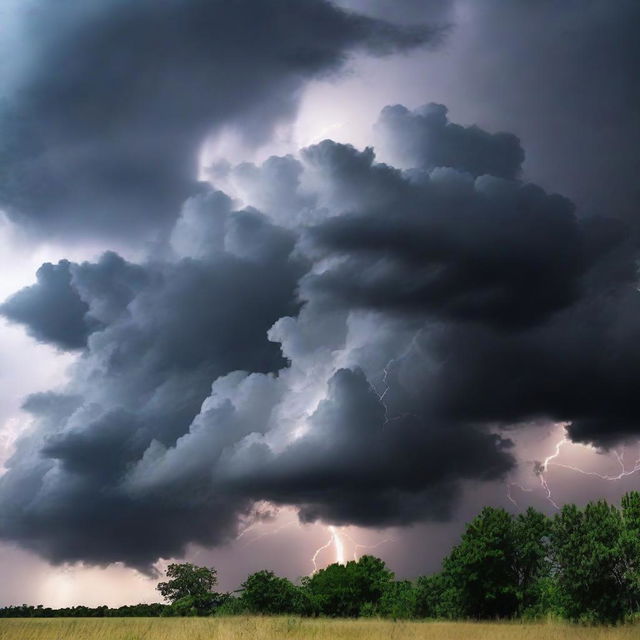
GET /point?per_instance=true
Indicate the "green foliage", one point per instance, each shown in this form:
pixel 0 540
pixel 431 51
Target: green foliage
pixel 437 597
pixel 128 611
pixel 496 571
pixel 532 567
pixel 630 547
pixel 342 590
pixel 187 579
pixel 264 592
pixel 483 569
pixel 398 601
pixel 231 606
pixel 185 606
pixel 589 563
pixel 189 589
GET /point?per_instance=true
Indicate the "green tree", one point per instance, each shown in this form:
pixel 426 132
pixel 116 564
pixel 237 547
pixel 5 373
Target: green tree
pixel 482 569
pixel 589 566
pixel 531 532
pixel 630 544
pixel 499 569
pixel 189 589
pixel 398 601
pixel 437 597
pixel 342 590
pixel 264 592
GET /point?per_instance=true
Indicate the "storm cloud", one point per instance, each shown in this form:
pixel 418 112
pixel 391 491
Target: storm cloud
pixel 331 333
pixel 51 309
pixel 163 332
pixel 101 129
pixel 425 139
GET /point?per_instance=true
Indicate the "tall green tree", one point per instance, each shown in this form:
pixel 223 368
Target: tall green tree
pixel 189 589
pixel 482 569
pixel 589 565
pixel 531 532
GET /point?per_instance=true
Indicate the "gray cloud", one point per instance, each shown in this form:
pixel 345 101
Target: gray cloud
pixel 102 131
pixel 51 309
pixel 167 331
pixel 443 243
pixel 425 139
pixel 352 350
pixel 355 466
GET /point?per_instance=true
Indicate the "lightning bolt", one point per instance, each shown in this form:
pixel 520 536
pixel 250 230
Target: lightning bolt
pixel 266 533
pixel 358 545
pixel 520 486
pixel 387 385
pixel 334 540
pixel 624 472
pixel 314 558
pixel 338 544
pixel 541 469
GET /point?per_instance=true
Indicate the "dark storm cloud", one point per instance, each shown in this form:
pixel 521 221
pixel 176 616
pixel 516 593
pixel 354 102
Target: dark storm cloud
pixel 489 250
pixel 425 139
pixel 71 301
pixel 352 350
pixel 529 306
pixel 103 129
pixel 51 309
pixel 356 466
pixel 168 330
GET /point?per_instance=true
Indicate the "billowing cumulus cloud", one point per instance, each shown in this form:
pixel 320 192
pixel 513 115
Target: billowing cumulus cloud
pixel 355 465
pixel 426 139
pixel 51 309
pixel 443 243
pixel 101 130
pixel 163 333
pixel 323 331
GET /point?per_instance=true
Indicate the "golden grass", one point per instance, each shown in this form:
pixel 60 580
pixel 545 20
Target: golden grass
pixel 241 628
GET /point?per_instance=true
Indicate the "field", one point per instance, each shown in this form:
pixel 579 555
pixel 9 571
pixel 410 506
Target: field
pixel 292 629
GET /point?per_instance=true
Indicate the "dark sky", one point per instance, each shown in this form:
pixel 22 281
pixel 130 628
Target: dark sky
pixel 279 265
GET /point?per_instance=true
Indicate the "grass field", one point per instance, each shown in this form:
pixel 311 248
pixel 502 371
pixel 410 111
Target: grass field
pixel 292 629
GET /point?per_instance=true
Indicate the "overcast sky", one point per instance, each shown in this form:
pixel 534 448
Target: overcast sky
pixel 272 266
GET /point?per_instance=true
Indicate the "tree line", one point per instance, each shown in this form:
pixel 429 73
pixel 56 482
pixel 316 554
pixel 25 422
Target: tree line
pixel 582 565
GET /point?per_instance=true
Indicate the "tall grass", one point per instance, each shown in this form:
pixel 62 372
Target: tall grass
pixel 241 628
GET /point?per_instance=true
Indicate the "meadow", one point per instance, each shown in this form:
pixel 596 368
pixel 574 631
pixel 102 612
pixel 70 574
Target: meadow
pixel 276 628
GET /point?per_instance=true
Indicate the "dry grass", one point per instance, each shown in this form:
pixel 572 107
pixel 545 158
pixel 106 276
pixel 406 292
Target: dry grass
pixel 292 629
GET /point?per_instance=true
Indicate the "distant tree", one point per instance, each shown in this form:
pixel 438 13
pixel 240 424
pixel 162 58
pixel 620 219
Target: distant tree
pixel 189 589
pixel 264 592
pixel 342 590
pixel 589 563
pixel 230 605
